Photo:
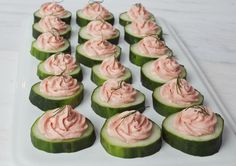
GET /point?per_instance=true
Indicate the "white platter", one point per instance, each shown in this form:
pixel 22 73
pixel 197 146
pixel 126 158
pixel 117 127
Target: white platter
pixel 24 154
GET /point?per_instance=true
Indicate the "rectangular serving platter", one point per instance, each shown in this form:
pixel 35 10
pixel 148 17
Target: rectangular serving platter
pixel 24 154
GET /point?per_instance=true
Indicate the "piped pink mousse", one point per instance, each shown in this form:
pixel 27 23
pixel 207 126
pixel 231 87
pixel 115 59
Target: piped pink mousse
pixel 62 123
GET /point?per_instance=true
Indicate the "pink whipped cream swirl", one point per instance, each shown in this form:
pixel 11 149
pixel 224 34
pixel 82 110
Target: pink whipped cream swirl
pixel 144 27
pixel 166 68
pixel 60 63
pixel 50 41
pixel 52 22
pixel 99 48
pixel 130 127
pixel 52 8
pixel 196 121
pixel 180 92
pixel 59 86
pixel 100 29
pixel 96 10
pixel 138 11
pixel 116 92
pixel 112 68
pixel 62 123
pixel 152 46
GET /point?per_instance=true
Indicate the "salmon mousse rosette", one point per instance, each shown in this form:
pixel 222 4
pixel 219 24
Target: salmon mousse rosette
pixel 56 91
pixel 196 130
pixel 174 96
pixel 53 9
pixel 137 11
pixel 157 72
pixel 49 23
pixel 99 29
pixel 49 43
pixel 116 96
pixel 110 68
pixel 92 11
pixel 62 130
pixel 94 51
pixel 140 28
pixel 130 134
pixel 60 63
pixel 147 49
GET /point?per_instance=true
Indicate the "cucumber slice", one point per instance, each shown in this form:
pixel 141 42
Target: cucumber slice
pixel 85 59
pixel 105 110
pixel 66 18
pixel 37 30
pixel 44 54
pixel 150 81
pixel 166 108
pixel 62 146
pixel 118 148
pixel 132 38
pixel 42 73
pixel 199 146
pixel 82 20
pixel 83 36
pixel 45 102
pixel 139 59
pixel 124 19
pixel 98 78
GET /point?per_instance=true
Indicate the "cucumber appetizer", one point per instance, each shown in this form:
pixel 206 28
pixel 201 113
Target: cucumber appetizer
pixel 158 72
pixel 52 8
pixel 49 43
pixel 174 96
pixel 139 29
pixel 94 51
pixel 62 130
pixel 110 68
pixel 147 49
pixel 116 96
pixel 130 134
pixel 48 23
pixel 195 130
pixel 99 29
pixel 56 91
pixel 57 64
pixel 137 11
pixel 92 12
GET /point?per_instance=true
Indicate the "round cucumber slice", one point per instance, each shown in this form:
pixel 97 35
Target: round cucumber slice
pixel 132 38
pixel 106 110
pixel 166 108
pixel 98 78
pixel 124 19
pixel 62 146
pixel 44 54
pixel 199 146
pixel 42 73
pixel 150 81
pixel 139 59
pixel 82 20
pixel 83 36
pixel 66 18
pixel 143 148
pixel 85 59
pixel 37 30
pixel 44 102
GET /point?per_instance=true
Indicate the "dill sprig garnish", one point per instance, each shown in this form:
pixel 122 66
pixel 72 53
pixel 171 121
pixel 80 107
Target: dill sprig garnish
pixel 178 85
pixel 130 113
pixel 57 111
pixel 93 1
pixel 115 89
pixel 199 109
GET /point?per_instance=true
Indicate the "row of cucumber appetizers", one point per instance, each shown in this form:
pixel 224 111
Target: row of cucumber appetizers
pixel 189 126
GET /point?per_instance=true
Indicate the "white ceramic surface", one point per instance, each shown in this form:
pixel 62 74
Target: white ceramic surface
pixel 25 114
pixel 208 29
